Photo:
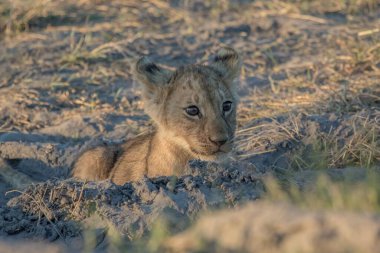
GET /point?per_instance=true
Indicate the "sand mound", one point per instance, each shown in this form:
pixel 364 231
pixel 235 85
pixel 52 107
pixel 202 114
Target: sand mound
pixel 52 210
pixel 267 227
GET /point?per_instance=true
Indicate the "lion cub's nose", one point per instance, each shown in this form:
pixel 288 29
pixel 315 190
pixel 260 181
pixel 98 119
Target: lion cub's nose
pixel 218 141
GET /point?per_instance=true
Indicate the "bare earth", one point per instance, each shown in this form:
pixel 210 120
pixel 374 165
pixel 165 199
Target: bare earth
pixel 309 88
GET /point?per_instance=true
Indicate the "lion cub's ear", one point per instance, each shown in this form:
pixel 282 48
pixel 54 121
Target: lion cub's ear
pixel 228 63
pixel 153 77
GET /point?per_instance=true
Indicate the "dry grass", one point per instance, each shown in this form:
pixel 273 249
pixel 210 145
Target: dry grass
pixel 307 57
pixel 362 148
pixel 265 137
pixel 18 15
pixel 342 6
pixel 354 144
pixel 343 83
pixel 322 192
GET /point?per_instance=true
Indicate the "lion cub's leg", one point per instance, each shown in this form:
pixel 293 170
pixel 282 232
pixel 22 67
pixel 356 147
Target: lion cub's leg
pixel 96 163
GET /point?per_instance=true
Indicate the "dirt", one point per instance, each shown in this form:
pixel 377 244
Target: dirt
pixel 49 210
pixel 309 92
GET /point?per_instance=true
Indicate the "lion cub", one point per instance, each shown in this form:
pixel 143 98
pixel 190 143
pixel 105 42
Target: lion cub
pixel 194 108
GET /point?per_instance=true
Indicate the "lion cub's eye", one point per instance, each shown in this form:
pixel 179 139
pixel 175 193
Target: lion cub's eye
pixel 227 106
pixel 192 110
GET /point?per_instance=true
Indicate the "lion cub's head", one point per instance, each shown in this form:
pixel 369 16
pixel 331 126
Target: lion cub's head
pixel 194 106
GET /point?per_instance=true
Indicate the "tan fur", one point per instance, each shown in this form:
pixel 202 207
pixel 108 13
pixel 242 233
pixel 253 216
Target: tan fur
pixel 178 137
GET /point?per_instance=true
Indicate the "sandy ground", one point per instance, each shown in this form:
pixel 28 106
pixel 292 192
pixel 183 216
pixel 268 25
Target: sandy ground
pixel 308 78
pixel 268 227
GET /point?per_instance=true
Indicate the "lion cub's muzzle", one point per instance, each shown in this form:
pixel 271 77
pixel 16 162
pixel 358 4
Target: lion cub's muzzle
pixel 220 144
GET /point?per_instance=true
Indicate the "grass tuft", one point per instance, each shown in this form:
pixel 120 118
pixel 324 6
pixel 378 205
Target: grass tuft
pixel 322 191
